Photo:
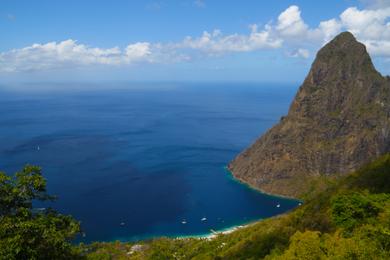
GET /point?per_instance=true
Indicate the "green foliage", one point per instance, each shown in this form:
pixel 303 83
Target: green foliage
pixel 106 251
pixel 304 246
pixel 17 194
pixel 261 243
pixel 351 210
pixel 28 233
pixel 374 177
pixel 348 219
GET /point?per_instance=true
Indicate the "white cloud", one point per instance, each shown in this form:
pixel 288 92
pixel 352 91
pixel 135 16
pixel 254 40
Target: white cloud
pixel 378 48
pixel 300 53
pixel 371 27
pixel 367 23
pixel 217 43
pixel 292 28
pixel 69 53
pixel 328 29
pixel 137 51
pixel 290 23
pixel 289 32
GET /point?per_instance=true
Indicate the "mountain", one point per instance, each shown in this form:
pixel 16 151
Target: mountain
pixel 338 121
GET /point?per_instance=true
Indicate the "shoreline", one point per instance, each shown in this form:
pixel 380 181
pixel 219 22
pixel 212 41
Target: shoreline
pixel 208 236
pixel 215 233
pixel 242 182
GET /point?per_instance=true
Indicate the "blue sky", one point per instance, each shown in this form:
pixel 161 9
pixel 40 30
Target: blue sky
pixel 183 40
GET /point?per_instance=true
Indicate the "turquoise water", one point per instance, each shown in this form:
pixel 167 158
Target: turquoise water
pixel 135 161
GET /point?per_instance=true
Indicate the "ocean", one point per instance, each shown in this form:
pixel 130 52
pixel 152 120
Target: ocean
pixel 141 160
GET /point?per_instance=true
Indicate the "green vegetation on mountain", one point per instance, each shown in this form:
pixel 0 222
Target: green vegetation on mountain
pixel 348 219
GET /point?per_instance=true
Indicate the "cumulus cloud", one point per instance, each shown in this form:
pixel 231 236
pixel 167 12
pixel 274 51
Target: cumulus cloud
pixel 69 53
pixel 217 43
pixel 137 51
pixel 371 27
pixel 290 23
pixel 328 29
pixel 289 32
pixel 367 23
pixel 292 28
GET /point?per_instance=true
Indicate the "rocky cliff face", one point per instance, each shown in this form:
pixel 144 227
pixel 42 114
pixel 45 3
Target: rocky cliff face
pixel 338 121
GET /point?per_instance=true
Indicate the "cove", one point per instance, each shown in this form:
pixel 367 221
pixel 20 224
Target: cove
pixel 135 161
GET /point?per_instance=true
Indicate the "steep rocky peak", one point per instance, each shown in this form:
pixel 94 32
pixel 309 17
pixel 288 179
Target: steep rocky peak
pixel 341 77
pixel 343 58
pixel 338 121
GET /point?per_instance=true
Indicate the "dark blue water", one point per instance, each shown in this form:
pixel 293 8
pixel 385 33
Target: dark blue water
pixel 149 156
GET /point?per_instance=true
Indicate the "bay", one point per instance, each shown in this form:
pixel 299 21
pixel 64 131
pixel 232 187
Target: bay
pixel 140 160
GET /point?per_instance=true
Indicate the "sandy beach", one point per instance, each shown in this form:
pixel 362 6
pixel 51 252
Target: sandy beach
pixel 214 233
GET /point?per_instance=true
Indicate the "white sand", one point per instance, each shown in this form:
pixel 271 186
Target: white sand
pixel 214 233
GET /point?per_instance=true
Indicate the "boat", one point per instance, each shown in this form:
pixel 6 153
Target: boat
pixel 203 219
pixel 278 206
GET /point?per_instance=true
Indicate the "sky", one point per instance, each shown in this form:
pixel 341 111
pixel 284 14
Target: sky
pixel 181 40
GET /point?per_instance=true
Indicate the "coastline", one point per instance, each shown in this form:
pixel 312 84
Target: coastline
pixel 242 182
pixel 215 233
pixel 209 236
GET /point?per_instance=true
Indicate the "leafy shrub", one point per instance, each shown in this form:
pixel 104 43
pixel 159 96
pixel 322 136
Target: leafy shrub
pixel 351 210
pixel 27 233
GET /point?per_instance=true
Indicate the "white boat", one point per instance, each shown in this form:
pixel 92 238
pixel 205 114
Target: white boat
pixel 278 206
pixel 203 219
pixel 184 222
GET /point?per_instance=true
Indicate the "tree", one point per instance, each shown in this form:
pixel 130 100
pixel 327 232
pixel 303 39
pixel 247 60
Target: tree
pixel 306 245
pixel 352 210
pixel 29 233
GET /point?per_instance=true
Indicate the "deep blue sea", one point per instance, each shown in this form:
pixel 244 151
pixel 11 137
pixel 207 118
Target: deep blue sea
pixel 134 161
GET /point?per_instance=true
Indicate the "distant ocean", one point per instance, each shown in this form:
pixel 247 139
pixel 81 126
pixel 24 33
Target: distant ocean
pixel 135 161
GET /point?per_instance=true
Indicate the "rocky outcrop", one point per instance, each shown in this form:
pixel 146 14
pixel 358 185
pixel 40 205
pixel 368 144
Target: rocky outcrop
pixel 338 121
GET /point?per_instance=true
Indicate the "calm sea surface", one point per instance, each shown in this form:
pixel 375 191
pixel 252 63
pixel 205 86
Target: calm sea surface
pixel 134 161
